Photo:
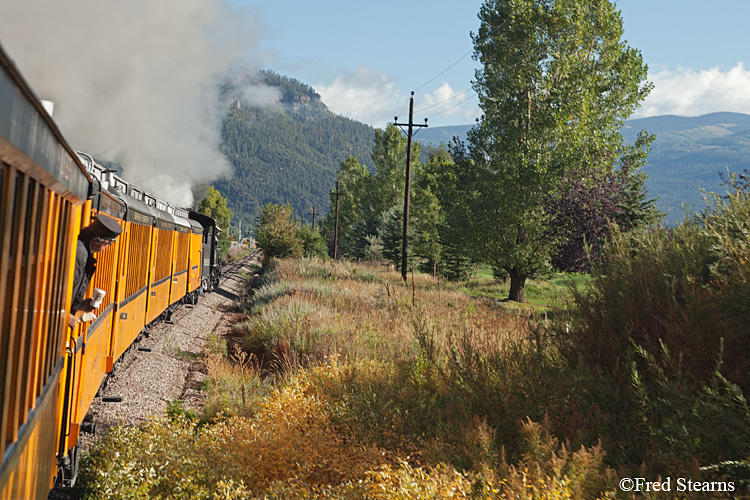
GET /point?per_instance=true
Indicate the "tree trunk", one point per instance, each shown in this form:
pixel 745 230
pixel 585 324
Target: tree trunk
pixel 517 283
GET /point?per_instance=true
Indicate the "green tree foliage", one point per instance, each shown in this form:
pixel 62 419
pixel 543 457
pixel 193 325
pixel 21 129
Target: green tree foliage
pixel 369 200
pixel 215 205
pixel 351 178
pixel 555 87
pixel 277 233
pixel 313 244
pixel 427 219
pixel 287 151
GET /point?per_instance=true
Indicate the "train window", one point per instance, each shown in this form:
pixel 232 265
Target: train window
pixel 181 252
pixel 27 225
pixel 137 254
pixel 17 210
pixel 164 254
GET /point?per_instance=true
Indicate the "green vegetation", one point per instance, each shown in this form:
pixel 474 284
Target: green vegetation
pixel 215 205
pixel 286 151
pixel 344 382
pixel 556 86
pixel 686 155
pixel 277 234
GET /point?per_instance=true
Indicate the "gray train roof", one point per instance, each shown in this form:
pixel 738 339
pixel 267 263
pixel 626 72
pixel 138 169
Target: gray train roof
pixel 28 128
pixel 141 206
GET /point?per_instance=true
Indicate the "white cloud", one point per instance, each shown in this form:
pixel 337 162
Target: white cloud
pixel 364 94
pixel 686 92
pixel 445 102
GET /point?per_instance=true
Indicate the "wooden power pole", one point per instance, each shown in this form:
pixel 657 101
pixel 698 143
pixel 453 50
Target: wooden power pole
pixel 410 125
pixel 313 217
pixel 336 227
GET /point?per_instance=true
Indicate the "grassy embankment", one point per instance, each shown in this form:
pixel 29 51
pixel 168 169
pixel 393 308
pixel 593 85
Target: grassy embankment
pixel 342 382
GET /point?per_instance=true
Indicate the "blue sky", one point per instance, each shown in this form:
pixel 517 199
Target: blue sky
pixel 150 80
pixel 364 58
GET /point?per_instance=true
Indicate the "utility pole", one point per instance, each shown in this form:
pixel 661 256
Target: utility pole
pixel 336 227
pixel 407 189
pixel 313 217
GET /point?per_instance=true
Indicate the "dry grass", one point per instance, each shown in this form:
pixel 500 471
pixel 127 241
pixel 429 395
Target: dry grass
pixel 320 309
pixel 350 384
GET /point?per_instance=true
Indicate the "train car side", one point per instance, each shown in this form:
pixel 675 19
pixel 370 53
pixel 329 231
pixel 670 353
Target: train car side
pixel 50 373
pixel 42 190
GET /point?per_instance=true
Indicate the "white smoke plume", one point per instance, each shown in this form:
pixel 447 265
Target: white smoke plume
pixel 134 81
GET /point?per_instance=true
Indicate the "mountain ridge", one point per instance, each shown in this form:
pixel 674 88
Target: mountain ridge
pixel 289 149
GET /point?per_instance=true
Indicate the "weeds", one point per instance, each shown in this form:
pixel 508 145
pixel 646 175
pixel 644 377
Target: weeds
pixel 342 384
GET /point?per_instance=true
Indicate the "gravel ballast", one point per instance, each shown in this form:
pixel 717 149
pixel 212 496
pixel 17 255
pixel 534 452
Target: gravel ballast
pixel 165 365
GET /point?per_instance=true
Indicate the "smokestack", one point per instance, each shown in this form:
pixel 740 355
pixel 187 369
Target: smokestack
pixel 49 106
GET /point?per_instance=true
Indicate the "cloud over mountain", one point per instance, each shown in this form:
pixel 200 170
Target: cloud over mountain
pixel 364 94
pixel 687 92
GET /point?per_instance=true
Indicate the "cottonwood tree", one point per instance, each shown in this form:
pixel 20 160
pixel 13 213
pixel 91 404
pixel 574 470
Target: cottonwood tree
pixel 555 86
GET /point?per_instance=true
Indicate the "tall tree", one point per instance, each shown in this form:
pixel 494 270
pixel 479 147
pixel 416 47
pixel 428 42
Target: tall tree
pixel 352 177
pixel 369 200
pixel 556 85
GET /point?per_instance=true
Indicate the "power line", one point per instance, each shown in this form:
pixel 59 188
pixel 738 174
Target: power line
pixel 454 96
pixel 460 58
pixel 446 69
pixel 455 105
pixel 501 73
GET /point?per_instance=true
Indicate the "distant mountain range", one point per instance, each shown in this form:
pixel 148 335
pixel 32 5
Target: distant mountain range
pixel 686 156
pixel 290 152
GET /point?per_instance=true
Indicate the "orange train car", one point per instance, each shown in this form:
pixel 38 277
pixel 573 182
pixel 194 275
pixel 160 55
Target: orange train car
pixel 42 193
pixel 50 373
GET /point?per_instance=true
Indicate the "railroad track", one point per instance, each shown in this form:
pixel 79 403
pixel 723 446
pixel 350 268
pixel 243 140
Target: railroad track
pixel 166 365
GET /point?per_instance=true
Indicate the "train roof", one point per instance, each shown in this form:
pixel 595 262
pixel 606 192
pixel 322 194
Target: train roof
pixel 30 139
pixel 142 207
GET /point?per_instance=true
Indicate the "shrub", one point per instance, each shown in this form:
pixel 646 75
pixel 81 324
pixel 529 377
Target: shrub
pixel 313 243
pixel 686 288
pixel 666 315
pixel 276 233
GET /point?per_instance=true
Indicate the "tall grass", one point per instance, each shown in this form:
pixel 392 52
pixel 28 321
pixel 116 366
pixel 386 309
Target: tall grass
pixel 345 382
pixel 667 317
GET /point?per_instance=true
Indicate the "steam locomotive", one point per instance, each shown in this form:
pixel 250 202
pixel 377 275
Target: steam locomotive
pixel 49 372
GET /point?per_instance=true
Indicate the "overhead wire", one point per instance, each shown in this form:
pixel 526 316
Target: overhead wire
pixel 446 70
pixel 454 96
pixel 501 73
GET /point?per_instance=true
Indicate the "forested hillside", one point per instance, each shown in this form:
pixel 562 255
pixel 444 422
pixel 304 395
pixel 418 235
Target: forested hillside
pixel 287 150
pixel 689 153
